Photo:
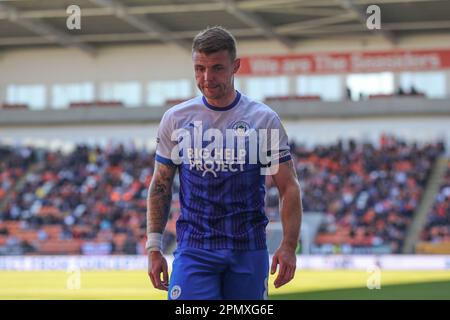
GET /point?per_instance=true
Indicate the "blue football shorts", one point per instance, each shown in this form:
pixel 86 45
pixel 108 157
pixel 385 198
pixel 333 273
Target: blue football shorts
pixel 199 274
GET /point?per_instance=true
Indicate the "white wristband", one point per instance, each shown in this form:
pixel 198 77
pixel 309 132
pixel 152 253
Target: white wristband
pixel 154 242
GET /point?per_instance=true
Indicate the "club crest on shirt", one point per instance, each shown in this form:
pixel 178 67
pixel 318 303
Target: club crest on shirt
pixel 241 128
pixel 175 292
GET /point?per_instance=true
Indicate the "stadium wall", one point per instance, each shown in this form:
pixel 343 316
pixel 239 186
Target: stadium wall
pixel 286 108
pixel 332 262
pixel 309 132
pixel 152 62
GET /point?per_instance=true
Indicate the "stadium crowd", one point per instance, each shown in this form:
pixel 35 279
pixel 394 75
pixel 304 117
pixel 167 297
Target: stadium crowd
pixel 93 200
pixel 437 228
pixel 368 193
pixel 14 162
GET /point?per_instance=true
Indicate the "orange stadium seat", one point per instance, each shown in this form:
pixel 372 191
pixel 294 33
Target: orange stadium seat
pixel 12 226
pixel 98 103
pixel 53 231
pixel 433 248
pixel 8 106
pixel 293 98
pixel 27 235
pixel 3 240
pixel 172 102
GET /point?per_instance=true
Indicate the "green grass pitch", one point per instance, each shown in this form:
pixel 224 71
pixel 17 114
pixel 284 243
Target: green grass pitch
pixel 308 284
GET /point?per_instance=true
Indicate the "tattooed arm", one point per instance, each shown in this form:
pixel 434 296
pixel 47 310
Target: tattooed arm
pixel 159 197
pixel 158 208
pixel 291 216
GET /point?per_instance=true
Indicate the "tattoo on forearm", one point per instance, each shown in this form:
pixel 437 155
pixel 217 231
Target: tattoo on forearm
pixel 159 198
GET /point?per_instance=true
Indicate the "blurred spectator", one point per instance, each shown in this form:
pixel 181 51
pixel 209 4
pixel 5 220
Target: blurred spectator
pixel 413 90
pixel 369 193
pixel 27 247
pixel 348 92
pixel 437 228
pixel 130 245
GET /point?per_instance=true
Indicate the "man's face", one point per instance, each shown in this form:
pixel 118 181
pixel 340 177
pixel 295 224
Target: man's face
pixel 214 73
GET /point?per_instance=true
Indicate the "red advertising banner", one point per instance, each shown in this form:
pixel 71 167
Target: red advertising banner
pixel 347 62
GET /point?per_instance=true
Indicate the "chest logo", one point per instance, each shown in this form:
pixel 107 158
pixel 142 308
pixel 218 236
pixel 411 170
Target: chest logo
pixel 241 128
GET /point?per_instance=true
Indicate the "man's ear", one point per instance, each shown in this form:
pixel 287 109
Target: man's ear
pixel 236 65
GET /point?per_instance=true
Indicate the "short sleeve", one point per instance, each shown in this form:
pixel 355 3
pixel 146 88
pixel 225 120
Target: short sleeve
pixel 279 150
pixel 164 143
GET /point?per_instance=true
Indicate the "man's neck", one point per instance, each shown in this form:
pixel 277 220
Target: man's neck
pixel 224 102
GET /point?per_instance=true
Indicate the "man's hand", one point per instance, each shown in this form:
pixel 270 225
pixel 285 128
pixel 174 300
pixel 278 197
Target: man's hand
pixel 285 257
pixel 291 216
pixel 157 264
